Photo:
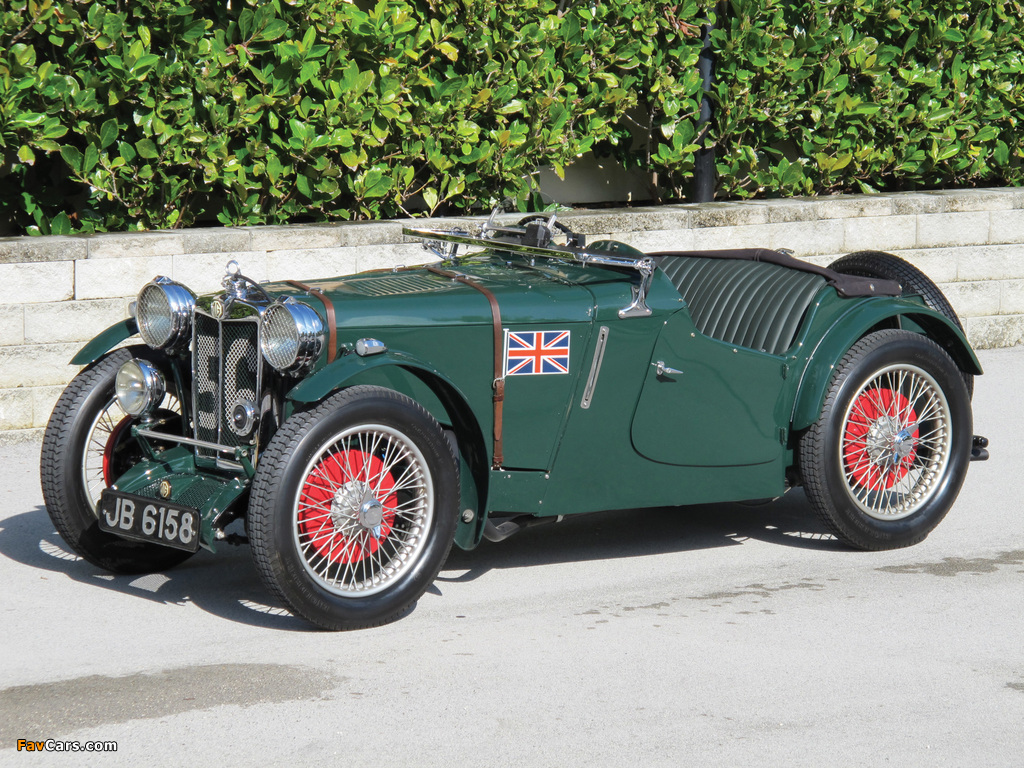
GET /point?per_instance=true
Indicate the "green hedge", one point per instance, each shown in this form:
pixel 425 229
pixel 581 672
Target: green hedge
pixel 169 111
pixel 164 113
pixel 821 96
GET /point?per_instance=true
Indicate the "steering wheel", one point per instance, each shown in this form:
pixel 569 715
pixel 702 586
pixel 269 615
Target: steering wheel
pixel 571 238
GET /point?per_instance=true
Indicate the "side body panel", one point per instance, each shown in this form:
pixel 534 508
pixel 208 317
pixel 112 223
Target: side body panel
pixel 597 466
pixel 722 408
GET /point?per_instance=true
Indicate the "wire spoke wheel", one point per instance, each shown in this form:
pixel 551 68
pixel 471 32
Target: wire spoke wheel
pixel 97 459
pixel 895 442
pixel 361 512
pixel 87 446
pixel 884 461
pixel 354 508
pixel 108 453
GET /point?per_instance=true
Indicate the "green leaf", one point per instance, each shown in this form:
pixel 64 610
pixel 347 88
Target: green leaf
pixel 376 184
pixel 108 133
pixel 430 198
pixel 92 156
pixel 73 157
pixel 449 50
pixel 275 30
pixel 147 149
pixel 195 31
pixel 245 23
pixel 60 224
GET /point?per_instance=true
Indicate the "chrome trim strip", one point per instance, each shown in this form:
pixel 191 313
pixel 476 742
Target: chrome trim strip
pixel 188 441
pixel 595 367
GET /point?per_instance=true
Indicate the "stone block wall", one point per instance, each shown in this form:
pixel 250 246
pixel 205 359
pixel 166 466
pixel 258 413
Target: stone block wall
pixel 56 293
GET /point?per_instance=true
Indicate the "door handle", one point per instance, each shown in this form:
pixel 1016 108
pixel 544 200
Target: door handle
pixel 662 369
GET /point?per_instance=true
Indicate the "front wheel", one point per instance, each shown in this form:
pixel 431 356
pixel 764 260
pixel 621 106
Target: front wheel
pixel 885 460
pixel 87 445
pixel 353 508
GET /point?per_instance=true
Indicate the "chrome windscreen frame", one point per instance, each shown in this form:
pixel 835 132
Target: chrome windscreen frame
pixel 509 239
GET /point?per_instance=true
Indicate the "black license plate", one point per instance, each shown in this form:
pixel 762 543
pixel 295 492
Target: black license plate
pixel 154 520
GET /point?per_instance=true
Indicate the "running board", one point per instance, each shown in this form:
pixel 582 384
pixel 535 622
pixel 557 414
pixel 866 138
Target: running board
pixel 499 529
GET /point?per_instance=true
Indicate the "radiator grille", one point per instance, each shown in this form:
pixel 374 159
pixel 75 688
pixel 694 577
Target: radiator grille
pixel 226 367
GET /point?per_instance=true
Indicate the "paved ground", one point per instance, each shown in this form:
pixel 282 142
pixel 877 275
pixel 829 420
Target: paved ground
pixel 723 635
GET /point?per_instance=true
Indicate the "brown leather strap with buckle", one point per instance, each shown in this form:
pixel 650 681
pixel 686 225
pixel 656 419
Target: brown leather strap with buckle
pixel 332 325
pixel 499 360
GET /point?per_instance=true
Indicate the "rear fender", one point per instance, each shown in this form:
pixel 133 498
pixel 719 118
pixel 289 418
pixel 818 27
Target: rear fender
pixel 439 396
pixel 853 326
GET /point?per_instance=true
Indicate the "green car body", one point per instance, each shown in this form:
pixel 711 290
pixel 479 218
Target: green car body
pixel 648 411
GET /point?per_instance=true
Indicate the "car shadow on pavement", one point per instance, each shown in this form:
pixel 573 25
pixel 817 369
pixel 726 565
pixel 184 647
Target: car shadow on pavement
pixel 788 521
pixel 225 584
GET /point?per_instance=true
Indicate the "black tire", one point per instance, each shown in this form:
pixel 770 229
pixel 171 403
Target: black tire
pixel 354 508
pixel 885 460
pixel 886 266
pixel 86 425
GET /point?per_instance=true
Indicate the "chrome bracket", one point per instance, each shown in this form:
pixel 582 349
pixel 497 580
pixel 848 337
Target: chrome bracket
pixel 638 307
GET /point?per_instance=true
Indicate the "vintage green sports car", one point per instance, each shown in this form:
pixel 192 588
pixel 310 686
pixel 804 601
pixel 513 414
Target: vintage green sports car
pixel 360 425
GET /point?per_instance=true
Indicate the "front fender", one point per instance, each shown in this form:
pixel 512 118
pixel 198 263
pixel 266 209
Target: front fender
pixel 338 374
pixel 849 328
pixel 445 401
pixel 106 341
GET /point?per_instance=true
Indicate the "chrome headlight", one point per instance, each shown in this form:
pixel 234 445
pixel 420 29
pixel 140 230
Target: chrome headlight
pixel 291 335
pixel 139 387
pixel 164 313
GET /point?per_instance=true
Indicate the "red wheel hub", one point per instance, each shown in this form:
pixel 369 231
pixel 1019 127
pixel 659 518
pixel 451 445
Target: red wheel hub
pixel 877 451
pixel 330 501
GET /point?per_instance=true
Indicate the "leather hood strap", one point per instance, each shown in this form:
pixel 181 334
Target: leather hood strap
pixel 499 359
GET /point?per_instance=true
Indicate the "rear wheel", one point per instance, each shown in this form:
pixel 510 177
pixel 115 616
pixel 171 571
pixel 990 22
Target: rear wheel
pixel 87 445
pixel 885 460
pixel 353 508
pixel 886 266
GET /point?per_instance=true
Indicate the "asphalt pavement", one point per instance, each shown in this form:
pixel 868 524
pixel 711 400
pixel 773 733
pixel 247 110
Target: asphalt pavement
pixel 714 635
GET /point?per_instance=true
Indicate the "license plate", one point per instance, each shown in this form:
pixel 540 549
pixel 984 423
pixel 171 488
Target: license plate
pixel 153 520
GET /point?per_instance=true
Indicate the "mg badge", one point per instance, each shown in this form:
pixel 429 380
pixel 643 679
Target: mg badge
pixel 165 489
pixel 217 308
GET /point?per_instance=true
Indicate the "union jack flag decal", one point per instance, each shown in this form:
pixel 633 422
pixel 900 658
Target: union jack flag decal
pixel 536 352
